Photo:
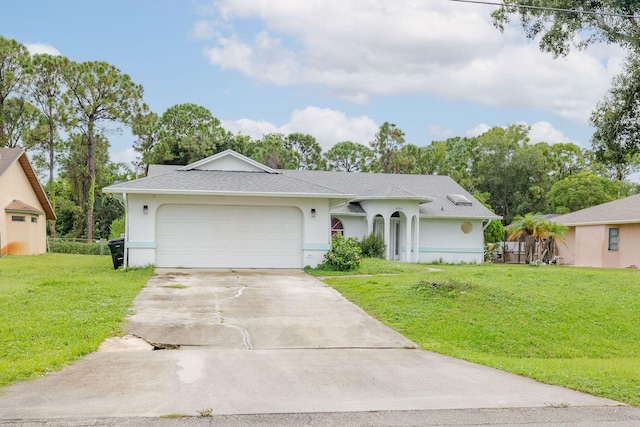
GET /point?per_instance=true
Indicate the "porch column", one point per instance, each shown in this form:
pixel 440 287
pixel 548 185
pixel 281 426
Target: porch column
pixel 387 236
pixel 416 238
pixel 408 242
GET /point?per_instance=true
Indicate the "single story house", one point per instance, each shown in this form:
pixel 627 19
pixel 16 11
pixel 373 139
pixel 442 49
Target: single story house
pixel 23 225
pixel 229 211
pixel 606 235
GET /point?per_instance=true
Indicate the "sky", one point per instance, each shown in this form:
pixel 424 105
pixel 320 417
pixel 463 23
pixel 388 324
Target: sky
pixel 335 69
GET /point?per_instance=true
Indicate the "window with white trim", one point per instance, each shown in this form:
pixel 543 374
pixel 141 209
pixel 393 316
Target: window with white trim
pixel 336 226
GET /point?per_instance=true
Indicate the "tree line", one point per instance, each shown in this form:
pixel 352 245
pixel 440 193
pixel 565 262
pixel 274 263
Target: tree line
pixel 63 113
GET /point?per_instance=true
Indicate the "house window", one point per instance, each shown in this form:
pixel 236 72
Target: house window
pixel 378 226
pixel 613 239
pixel 34 219
pixel 336 227
pixel 17 218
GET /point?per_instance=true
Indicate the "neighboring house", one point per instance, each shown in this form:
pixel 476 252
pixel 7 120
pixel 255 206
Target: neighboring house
pixel 23 222
pixel 606 235
pixel 228 211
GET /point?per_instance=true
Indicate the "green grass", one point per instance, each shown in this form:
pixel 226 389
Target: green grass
pixel 56 308
pixel 575 327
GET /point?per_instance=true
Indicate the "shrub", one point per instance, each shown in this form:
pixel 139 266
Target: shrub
pixel 117 227
pixel 70 246
pixel 372 246
pixel 344 254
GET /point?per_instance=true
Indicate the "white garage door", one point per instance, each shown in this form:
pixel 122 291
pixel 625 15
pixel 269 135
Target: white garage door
pixel 200 236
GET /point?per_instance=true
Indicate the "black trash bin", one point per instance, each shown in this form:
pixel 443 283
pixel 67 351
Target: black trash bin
pixel 116 246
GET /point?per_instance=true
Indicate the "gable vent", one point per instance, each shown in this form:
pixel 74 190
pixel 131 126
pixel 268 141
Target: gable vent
pixel 459 200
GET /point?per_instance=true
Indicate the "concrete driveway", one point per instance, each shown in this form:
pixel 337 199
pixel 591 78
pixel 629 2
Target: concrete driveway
pixel 265 342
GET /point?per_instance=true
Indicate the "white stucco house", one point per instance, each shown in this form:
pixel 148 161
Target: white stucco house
pixel 228 211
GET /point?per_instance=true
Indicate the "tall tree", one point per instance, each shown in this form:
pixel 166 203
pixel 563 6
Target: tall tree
pixel 349 156
pixel 456 157
pixel 387 143
pixel 616 140
pixel 502 169
pixel 272 151
pixel 97 94
pixel 47 86
pixel 306 149
pixel 567 159
pixel 20 119
pixel 587 22
pixel 145 126
pixel 584 190
pixel 13 58
pixel 186 133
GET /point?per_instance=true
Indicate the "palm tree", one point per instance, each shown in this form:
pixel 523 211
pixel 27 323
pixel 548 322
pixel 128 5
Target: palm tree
pixel 554 234
pixel 531 226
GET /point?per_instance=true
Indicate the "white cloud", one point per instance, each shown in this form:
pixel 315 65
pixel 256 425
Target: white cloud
pixel 38 48
pixel 478 130
pixel 545 132
pixel 446 49
pixel 254 129
pixel 326 125
pixel 128 156
pixel 203 30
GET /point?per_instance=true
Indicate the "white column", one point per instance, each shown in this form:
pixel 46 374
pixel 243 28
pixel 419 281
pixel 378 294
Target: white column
pixel 406 256
pixel 387 236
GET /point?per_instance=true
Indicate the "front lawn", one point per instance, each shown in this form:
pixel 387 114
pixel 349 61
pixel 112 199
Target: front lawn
pixel 575 327
pixel 55 308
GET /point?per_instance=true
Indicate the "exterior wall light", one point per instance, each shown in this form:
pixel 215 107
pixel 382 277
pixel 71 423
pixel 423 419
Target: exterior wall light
pixel 145 209
pixel 313 213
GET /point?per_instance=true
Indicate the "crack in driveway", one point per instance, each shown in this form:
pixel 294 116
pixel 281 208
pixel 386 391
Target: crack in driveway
pixel 246 338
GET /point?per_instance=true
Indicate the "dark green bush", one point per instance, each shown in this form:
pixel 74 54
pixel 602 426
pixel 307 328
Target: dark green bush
pixel 372 246
pixel 344 254
pixel 69 246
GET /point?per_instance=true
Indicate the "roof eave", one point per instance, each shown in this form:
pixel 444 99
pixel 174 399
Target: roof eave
pixel 115 190
pixel 418 199
pixel 481 217
pixel 37 187
pixel 610 222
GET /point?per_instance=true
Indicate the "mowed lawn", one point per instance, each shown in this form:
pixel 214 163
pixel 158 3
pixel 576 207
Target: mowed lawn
pixel 575 327
pixel 56 308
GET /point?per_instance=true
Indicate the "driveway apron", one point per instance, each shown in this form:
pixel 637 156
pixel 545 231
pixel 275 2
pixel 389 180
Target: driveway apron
pixel 264 341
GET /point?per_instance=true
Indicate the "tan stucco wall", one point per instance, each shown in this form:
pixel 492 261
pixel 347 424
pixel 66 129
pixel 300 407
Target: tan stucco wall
pixel 588 246
pixel 20 238
pixel 567 248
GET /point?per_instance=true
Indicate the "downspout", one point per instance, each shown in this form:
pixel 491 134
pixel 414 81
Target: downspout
pixel 484 227
pixel 126 231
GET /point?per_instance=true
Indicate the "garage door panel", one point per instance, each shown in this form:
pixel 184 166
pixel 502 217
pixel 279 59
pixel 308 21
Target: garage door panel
pixel 228 236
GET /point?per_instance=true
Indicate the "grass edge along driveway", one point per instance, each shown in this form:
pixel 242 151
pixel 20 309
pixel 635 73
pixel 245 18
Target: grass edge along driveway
pixel 574 327
pixel 56 308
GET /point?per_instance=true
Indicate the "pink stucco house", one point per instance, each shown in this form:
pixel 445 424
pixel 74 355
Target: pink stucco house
pixel 24 206
pixel 606 235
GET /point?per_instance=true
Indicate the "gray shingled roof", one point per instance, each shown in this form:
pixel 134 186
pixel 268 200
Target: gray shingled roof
pixel 620 211
pixel 217 182
pixel 161 169
pixel 430 190
pixel 433 187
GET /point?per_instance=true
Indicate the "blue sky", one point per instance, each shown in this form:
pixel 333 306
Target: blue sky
pixel 335 69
